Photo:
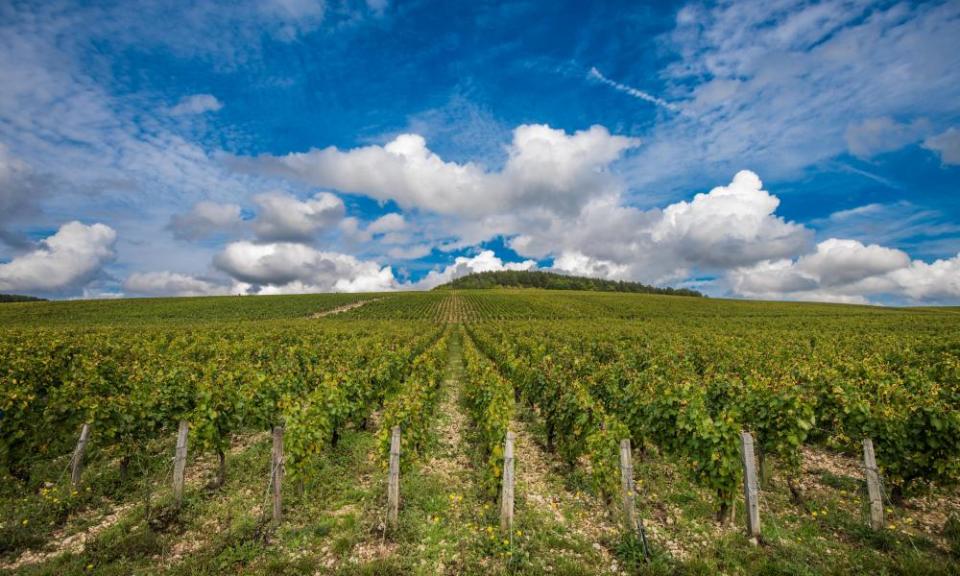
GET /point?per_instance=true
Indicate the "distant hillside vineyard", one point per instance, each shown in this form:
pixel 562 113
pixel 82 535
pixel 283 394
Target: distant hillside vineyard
pixel 554 281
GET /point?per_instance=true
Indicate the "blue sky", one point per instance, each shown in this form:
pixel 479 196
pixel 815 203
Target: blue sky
pixel 782 150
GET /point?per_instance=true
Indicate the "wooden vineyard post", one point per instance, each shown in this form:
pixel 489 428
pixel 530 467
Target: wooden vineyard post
pixel 76 463
pixel 750 492
pixel 180 462
pixel 627 487
pixel 506 491
pixel 393 482
pixel 631 522
pixel 276 467
pixel 873 485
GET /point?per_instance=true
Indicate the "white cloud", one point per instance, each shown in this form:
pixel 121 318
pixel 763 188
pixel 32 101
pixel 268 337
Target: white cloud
pixel 848 271
pixel 485 261
pixel 171 284
pixel 10 169
pixel 206 219
pixel 286 267
pixel 377 6
pixel 901 223
pixel 353 231
pixel 545 168
pixel 774 86
pixel 947 145
pixel 839 262
pixel 732 225
pixel 411 252
pixel 61 263
pixel 874 136
pixel 392 222
pixel 283 217
pixel 937 281
pixel 294 17
pixel 196 104
pixel 635 92
pixel 20 192
pixel 579 264
pixel 93 150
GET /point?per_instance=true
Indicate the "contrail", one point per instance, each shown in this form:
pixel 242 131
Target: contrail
pixel 596 75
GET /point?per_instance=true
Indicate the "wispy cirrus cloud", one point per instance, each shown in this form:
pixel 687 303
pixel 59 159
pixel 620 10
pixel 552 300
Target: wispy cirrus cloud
pixel 787 87
pixel 635 92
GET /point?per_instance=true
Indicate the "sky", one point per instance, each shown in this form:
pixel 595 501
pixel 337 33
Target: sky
pixel 782 149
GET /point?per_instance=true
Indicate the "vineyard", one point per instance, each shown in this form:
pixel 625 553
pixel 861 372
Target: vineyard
pixel 570 374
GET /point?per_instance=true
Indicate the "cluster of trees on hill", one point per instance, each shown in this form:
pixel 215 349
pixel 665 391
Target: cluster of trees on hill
pixel 19 298
pixel 554 281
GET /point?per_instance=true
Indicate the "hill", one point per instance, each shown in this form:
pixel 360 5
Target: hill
pixel 554 281
pixel 19 298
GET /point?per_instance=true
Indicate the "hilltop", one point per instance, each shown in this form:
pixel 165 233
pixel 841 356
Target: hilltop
pixel 19 298
pixel 554 281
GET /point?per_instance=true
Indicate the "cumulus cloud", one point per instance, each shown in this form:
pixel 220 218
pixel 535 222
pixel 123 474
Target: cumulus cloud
pixel 392 222
pixel 838 262
pixel 731 225
pixel 61 263
pixel 172 284
pixel 196 104
pixel 287 267
pixel 485 261
pixel 544 168
pixel 874 136
pixel 206 219
pixel 352 230
pixel 946 145
pixel 283 217
pixel 937 281
pixel 849 271
pixel 579 264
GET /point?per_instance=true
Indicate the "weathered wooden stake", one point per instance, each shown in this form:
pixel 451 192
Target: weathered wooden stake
pixel 631 522
pixel 750 492
pixel 873 485
pixel 277 473
pixel 393 482
pixel 180 462
pixel 627 486
pixel 506 490
pixel 76 463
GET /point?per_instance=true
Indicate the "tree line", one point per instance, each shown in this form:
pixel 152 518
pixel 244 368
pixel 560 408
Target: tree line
pixel 554 281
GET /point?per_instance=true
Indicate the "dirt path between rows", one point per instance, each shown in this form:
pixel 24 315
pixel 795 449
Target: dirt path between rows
pixel 447 464
pixel 584 526
pixel 61 543
pixel 583 516
pixel 344 308
pixel 450 462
